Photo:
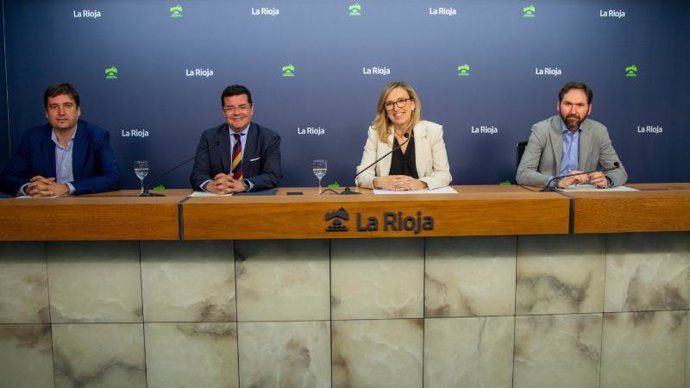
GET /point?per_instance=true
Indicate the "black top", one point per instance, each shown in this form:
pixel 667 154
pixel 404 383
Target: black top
pixel 404 164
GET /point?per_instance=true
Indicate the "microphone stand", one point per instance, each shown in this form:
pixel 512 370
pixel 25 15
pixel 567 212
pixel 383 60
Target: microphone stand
pixel 146 192
pixel 347 190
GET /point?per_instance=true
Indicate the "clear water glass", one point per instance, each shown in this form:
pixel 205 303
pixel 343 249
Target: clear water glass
pixel 141 169
pixel 320 167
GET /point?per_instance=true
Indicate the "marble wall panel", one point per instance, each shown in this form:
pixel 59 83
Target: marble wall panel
pixel 647 271
pixel 560 274
pixel 282 280
pixel 644 349
pixel 470 293
pixel 188 281
pixel 99 355
pixel 377 278
pixel 470 276
pixel 26 356
pixel 94 281
pixel 191 355
pixel 557 351
pixel 284 354
pixel 468 352
pixel 378 353
pixel 23 283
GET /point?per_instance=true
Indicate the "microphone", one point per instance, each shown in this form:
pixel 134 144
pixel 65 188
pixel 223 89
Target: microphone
pixel 146 192
pixel 557 179
pixel 347 190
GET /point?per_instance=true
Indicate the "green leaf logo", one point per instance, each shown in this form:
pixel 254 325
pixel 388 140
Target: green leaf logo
pixel 529 11
pixel 289 70
pixel 631 71
pixel 464 70
pixel 176 11
pixel 111 73
pixel 355 9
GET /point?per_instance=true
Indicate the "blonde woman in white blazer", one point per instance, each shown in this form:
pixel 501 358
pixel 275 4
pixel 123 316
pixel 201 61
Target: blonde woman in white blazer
pixel 421 162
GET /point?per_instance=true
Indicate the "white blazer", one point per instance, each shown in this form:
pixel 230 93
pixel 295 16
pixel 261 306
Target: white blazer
pixel 430 156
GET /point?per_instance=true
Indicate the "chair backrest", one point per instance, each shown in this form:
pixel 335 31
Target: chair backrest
pixel 519 150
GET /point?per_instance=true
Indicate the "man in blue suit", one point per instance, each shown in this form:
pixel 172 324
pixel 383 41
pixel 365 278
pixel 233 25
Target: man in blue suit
pixel 239 155
pixel 66 156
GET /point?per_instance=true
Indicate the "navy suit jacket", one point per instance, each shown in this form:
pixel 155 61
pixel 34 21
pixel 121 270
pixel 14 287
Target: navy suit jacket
pixel 260 161
pixel 93 162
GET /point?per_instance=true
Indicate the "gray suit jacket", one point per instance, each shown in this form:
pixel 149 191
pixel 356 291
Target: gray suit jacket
pixel 542 157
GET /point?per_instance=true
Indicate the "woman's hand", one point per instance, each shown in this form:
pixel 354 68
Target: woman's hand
pixel 399 183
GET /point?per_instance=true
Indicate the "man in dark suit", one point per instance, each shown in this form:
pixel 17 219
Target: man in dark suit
pixel 66 156
pixel 239 155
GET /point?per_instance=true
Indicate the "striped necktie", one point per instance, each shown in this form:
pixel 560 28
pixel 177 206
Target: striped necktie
pixel 237 157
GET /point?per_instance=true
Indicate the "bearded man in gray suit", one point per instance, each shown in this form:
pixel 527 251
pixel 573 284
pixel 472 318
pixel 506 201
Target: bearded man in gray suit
pixel 570 143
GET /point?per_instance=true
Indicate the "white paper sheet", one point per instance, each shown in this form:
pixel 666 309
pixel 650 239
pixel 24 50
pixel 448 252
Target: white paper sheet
pixel 588 187
pixel 440 190
pixel 205 194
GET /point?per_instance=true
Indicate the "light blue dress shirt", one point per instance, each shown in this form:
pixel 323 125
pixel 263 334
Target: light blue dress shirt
pixel 571 150
pixel 63 161
pixel 571 154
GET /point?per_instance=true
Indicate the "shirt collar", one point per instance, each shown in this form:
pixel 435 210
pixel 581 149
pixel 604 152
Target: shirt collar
pixel 53 136
pixel 242 132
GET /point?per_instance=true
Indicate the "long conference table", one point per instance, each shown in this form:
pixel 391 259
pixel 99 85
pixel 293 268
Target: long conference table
pixel 500 284
pixel 473 211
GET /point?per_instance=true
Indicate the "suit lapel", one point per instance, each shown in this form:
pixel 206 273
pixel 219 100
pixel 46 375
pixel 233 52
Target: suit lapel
pixel 223 137
pixel 250 151
pixel 48 153
pixel 557 142
pixel 585 147
pixel 79 151
pixel 421 141
pixel 384 166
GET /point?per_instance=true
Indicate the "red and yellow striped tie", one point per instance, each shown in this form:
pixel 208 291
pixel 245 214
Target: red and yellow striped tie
pixel 237 157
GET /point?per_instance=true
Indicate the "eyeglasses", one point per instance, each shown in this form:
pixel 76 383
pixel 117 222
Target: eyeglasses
pixel 400 103
pixel 240 109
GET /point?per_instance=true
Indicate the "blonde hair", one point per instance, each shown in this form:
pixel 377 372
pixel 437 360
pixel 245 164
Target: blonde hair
pixel 381 123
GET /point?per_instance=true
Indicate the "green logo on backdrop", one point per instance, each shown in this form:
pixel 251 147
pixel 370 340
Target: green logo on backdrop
pixel 289 71
pixel 111 73
pixel 631 71
pixel 355 9
pixel 176 11
pixel 529 11
pixel 464 70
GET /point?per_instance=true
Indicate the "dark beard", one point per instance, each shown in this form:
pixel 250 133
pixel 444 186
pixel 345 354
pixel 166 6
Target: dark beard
pixel 572 123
